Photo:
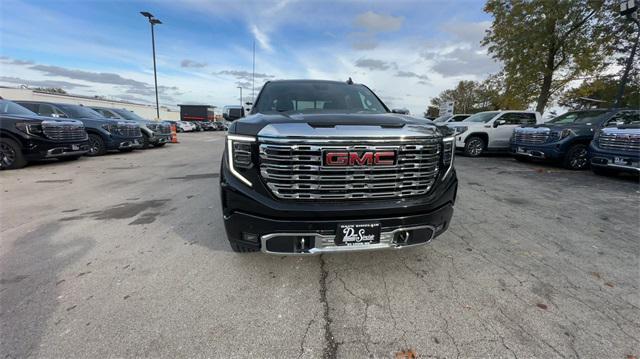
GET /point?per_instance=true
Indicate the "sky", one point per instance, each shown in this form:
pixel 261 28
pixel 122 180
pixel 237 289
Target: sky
pixel 406 51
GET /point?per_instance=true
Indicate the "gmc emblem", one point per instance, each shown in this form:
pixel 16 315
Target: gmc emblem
pixel 359 158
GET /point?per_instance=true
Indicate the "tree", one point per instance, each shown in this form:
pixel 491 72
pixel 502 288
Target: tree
pixel 464 96
pixel 602 89
pixel 545 44
pixel 56 90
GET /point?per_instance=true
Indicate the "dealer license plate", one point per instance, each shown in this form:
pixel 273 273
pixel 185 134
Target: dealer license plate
pixel 619 161
pixel 75 147
pixel 357 234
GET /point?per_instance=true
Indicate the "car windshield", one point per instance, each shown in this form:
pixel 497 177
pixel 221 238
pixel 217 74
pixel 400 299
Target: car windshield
pixel 128 115
pixel 577 117
pixel 77 111
pixel 11 108
pixel 308 96
pixel 481 117
pixel 442 118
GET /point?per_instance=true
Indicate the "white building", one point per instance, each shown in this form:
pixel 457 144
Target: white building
pixel 146 111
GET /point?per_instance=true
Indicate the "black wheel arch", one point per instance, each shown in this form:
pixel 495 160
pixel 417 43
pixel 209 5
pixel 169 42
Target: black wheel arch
pixel 483 135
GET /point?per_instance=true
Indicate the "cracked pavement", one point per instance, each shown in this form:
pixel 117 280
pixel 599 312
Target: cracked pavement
pixel 125 256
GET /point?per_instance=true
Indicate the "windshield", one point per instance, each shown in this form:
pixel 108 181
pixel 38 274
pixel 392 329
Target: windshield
pixel 442 118
pixel 307 96
pixel 10 108
pixel 577 117
pixel 77 111
pixel 129 115
pixel 481 117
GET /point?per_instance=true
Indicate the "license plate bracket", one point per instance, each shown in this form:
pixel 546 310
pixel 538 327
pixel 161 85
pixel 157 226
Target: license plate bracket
pixel 357 233
pixel 619 161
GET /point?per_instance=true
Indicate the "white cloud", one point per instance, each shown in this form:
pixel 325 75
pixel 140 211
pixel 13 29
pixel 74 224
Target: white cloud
pixel 375 22
pixel 262 38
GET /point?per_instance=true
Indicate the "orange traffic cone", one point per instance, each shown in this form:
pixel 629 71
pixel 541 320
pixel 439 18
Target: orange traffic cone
pixel 174 134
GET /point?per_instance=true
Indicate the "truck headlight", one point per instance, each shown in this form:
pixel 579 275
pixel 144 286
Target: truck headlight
pixel 30 128
pixel 111 128
pixel 448 152
pixel 565 133
pixel 239 155
pixel 461 129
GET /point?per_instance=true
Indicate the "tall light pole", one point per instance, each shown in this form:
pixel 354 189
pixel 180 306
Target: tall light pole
pixel 153 21
pixel 630 9
pixel 241 104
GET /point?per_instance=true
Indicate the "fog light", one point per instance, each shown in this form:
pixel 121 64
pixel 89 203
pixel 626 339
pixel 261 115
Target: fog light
pixel 250 237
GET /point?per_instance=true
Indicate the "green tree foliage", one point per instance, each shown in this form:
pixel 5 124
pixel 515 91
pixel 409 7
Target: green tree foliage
pixel 602 89
pixel 546 44
pixel 50 90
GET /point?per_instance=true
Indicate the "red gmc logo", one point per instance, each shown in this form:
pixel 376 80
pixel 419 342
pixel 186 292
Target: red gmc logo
pixel 359 158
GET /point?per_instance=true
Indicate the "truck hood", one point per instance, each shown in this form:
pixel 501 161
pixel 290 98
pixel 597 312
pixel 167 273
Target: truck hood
pixel 560 127
pixel 335 125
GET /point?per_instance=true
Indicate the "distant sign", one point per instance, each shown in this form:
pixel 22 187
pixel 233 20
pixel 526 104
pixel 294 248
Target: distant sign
pixel 446 108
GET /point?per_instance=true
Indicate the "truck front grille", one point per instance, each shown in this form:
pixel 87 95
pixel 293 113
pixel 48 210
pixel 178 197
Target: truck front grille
pixel 531 136
pixel 295 170
pixel 620 141
pixel 64 131
pixel 129 130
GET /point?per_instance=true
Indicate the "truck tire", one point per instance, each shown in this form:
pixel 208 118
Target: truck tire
pixel 474 146
pixel 11 157
pixel 96 145
pixel 576 158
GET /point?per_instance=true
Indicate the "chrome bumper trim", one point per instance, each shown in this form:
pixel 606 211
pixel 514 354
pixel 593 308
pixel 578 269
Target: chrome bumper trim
pixel 50 153
pixel 325 243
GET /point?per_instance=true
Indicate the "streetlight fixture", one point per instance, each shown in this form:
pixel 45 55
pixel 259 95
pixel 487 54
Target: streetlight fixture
pixel 153 21
pixel 630 9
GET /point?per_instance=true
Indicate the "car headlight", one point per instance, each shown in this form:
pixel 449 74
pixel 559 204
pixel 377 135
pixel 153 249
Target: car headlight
pixel 30 128
pixel 565 133
pixel 597 135
pixel 448 152
pixel 239 155
pixel 110 127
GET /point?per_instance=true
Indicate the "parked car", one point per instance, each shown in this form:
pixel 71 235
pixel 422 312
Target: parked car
pixel 616 148
pixel 311 171
pixel 207 126
pixel 564 139
pixel 154 133
pixel 184 126
pixel 218 126
pixel 104 134
pixel 196 126
pixel 451 118
pixel 25 136
pixel 490 130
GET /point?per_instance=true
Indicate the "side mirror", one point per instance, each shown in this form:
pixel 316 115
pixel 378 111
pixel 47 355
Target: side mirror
pixel 402 111
pixel 499 123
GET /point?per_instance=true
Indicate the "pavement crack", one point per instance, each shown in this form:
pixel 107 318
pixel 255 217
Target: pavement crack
pixel 330 350
pixel 306 332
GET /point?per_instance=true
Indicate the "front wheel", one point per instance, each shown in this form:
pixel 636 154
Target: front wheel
pixel 11 157
pixel 145 141
pixel 577 158
pixel 474 146
pixel 96 146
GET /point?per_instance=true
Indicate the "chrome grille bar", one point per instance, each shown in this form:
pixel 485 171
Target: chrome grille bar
pixel 64 132
pixel 293 169
pixel 619 141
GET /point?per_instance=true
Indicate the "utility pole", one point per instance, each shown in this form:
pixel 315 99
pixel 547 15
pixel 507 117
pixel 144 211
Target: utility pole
pixel 253 76
pixel 628 8
pixel 153 21
pixel 241 103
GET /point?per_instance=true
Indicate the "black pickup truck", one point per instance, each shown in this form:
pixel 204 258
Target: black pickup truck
pixel 154 133
pixel 104 134
pixel 324 166
pixel 25 136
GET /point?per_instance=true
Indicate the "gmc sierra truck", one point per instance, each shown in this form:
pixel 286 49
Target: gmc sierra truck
pixel 617 148
pixel 25 136
pixel 325 166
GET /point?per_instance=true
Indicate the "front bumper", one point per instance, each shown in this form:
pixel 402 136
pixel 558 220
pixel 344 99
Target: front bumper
pixel 298 227
pixel 615 161
pixel 157 139
pixel 37 149
pixel 122 143
pixel 551 151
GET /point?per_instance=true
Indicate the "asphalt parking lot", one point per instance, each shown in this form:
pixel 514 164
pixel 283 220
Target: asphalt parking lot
pixel 125 256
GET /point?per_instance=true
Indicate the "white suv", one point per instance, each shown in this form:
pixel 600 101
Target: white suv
pixel 490 130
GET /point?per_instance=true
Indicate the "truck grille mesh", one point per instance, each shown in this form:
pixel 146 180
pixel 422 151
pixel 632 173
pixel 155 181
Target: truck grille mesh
pixel 531 136
pixel 295 171
pixel 129 130
pixel 620 141
pixel 64 131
